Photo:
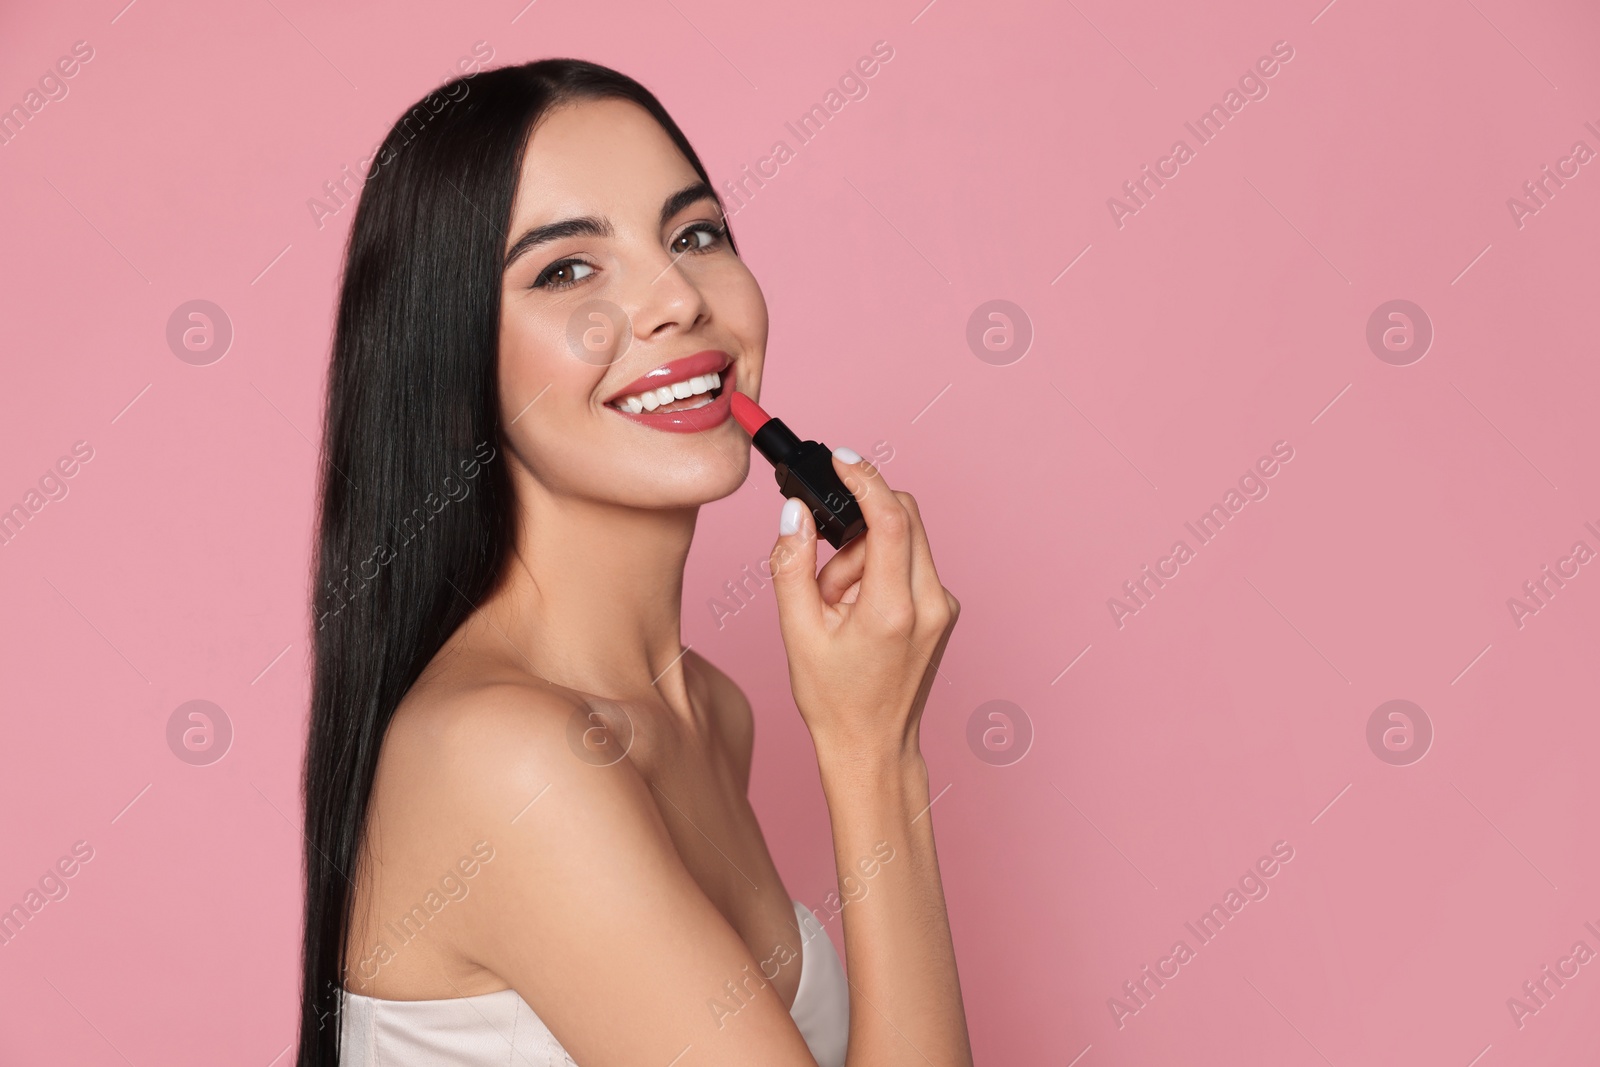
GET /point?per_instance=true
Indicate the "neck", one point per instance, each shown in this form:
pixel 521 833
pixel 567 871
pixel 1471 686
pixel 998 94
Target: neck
pixel 594 593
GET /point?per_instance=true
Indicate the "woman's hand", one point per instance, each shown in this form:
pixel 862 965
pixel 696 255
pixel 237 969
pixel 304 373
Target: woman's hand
pixel 864 637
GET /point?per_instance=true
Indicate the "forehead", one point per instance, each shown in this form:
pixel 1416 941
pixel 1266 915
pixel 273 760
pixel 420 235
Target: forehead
pixel 598 157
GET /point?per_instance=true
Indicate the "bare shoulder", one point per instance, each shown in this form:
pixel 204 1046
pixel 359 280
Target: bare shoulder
pixel 540 774
pixel 486 742
pixel 578 898
pixel 735 719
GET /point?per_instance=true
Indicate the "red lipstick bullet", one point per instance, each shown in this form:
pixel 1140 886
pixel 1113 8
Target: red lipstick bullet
pixel 804 469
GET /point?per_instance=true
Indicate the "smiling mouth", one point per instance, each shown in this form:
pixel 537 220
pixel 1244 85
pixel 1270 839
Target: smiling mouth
pixel 686 395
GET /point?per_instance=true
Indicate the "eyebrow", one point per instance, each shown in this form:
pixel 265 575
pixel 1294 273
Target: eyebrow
pixel 592 226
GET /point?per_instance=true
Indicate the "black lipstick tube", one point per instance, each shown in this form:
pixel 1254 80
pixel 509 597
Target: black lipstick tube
pixel 804 469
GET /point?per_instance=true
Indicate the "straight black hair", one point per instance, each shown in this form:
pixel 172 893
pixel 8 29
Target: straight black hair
pixel 416 514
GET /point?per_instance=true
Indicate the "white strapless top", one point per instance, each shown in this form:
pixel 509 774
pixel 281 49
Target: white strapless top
pixel 500 1030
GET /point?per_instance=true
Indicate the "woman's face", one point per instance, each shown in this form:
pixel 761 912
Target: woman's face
pixel 639 276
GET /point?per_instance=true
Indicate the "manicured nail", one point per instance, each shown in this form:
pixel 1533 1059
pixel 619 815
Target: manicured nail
pixel 789 517
pixel 847 454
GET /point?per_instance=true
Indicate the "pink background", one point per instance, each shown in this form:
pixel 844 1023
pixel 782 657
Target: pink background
pixel 1229 313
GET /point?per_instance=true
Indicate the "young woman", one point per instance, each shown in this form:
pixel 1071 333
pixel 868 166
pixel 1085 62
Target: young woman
pixel 528 838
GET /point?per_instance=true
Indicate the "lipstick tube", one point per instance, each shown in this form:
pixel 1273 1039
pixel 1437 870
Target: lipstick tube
pixel 803 469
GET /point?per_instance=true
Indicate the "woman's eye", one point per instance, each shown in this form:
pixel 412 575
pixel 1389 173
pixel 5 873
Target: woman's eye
pixel 562 274
pixel 690 240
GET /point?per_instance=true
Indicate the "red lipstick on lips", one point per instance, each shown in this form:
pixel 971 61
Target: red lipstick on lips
pixel 804 469
pixel 692 420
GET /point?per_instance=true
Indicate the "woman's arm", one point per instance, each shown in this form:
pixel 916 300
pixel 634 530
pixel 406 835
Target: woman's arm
pixel 586 908
pixel 864 639
pixel 905 998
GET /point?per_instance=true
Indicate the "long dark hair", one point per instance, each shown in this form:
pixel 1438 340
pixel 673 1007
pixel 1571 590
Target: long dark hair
pixel 416 510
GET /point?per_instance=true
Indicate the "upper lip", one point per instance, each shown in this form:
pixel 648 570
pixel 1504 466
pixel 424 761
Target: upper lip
pixel 679 370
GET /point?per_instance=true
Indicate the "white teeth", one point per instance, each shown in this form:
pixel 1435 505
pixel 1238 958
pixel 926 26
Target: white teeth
pixel 666 394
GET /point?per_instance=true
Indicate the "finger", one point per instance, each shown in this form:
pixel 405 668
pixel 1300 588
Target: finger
pixel 925 585
pixel 886 577
pixel 794 565
pixel 842 571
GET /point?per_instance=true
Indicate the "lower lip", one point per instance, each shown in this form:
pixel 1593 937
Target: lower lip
pixel 704 417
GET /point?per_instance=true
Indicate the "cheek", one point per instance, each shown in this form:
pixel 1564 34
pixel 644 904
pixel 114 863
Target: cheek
pixel 750 303
pixel 738 302
pixel 537 361
pixel 549 402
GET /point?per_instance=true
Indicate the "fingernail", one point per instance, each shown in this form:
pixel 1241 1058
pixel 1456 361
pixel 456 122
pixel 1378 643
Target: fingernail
pixel 847 454
pixel 789 517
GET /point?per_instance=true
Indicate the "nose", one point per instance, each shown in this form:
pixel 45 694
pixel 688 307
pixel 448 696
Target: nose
pixel 664 297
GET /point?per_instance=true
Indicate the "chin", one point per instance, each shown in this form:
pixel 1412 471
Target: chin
pixel 724 476
pixel 713 473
